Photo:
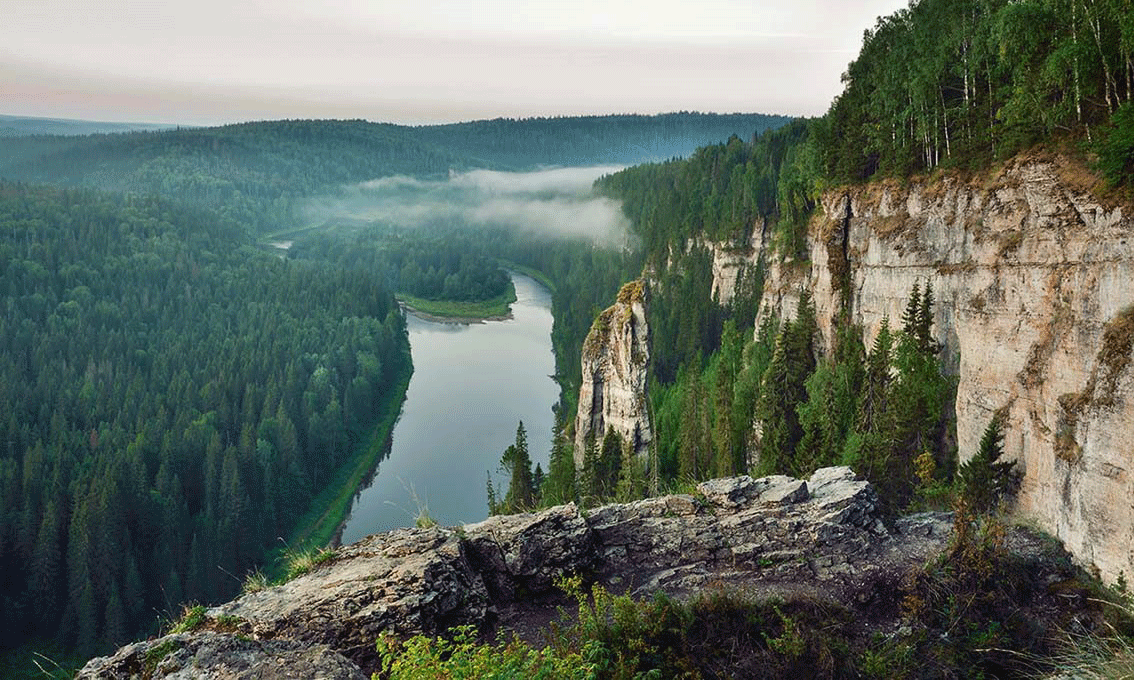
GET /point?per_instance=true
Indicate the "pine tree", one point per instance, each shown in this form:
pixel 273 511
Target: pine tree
pixel 590 482
pixel 695 444
pixel 912 315
pixel 559 485
pixel 873 406
pixel 518 465
pixel 609 463
pixel 784 389
pixel 631 476
pixel 490 492
pixel 924 329
pixel 833 391
pixel 986 479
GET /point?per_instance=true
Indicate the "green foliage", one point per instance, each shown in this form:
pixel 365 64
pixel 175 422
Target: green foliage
pixel 985 479
pixel 1116 148
pixel 174 399
pixel 721 191
pixel 516 463
pixel 828 415
pixel 155 654
pixel 613 636
pixel 260 173
pixel 462 658
pixel 192 618
pixel 602 467
pixel 305 561
pixel 559 485
pixel 961 83
pixel 784 389
pixel 428 265
pixel 255 581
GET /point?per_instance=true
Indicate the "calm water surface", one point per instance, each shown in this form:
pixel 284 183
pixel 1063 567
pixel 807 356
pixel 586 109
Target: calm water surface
pixel 471 385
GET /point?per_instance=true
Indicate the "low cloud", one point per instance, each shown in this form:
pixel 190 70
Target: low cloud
pixel 553 202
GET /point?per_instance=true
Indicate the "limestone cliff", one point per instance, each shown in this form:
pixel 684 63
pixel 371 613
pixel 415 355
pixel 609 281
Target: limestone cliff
pixel 1034 280
pixel 615 359
pixel 731 261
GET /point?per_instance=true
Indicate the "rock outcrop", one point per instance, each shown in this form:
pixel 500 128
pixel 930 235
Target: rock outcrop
pixel 821 537
pixel 730 262
pixel 615 357
pixel 1034 282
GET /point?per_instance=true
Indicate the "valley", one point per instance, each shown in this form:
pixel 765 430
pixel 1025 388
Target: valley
pixel 849 395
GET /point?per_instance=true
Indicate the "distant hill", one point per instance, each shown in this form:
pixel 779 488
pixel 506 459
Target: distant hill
pixel 22 126
pixel 594 140
pixel 256 172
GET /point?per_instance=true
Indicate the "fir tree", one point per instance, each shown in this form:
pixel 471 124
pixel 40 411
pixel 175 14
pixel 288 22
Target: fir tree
pixel 872 406
pixel 784 390
pixel 912 315
pixel 985 479
pixel 559 485
pixel 924 328
pixel 518 465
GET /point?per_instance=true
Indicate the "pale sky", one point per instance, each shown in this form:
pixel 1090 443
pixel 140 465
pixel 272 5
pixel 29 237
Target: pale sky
pixel 422 61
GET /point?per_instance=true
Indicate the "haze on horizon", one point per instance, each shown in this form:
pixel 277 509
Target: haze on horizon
pixel 218 61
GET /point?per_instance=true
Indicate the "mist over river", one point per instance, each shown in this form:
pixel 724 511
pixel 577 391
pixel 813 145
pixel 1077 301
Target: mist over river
pixel 471 385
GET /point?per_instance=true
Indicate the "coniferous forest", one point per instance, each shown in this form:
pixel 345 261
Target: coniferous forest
pixel 173 398
pixel 175 394
pixel 936 85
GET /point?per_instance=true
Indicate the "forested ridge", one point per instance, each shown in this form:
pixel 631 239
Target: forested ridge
pixel 174 398
pixel 955 85
pixel 259 172
pixel 961 84
pixel 937 85
pixel 173 387
pixel 176 395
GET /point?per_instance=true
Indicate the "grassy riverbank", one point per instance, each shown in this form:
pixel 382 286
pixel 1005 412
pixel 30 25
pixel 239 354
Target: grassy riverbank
pixel 497 307
pixel 532 272
pixel 330 508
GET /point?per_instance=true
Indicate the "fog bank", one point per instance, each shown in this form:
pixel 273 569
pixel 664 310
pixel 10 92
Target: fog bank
pixel 553 202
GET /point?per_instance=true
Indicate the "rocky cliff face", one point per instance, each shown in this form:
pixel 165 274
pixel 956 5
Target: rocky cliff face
pixel 821 537
pixel 730 261
pixel 615 359
pixel 1034 280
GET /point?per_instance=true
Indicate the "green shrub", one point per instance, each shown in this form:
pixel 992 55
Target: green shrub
pixel 1116 148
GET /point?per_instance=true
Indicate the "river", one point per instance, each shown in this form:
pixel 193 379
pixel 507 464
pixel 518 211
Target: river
pixel 472 384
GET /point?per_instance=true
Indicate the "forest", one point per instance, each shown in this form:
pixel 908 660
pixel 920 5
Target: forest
pixel 176 393
pixel 938 85
pixel 173 399
pixel 259 173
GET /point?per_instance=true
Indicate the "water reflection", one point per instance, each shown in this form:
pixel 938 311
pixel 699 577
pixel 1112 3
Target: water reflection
pixel 472 384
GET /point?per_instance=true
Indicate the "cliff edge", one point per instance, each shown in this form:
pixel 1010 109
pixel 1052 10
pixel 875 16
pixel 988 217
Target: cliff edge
pixel 821 537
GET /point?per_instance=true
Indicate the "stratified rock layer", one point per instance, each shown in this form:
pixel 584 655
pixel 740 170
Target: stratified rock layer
pixel 615 357
pixel 774 535
pixel 1034 282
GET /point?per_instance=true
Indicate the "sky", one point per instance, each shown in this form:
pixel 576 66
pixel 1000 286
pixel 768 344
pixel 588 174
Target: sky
pixel 202 62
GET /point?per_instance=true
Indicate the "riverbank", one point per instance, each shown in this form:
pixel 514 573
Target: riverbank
pixel 472 385
pixel 329 510
pixel 498 308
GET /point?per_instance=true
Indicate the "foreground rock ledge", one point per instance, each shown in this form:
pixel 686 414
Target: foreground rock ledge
pixel 821 537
